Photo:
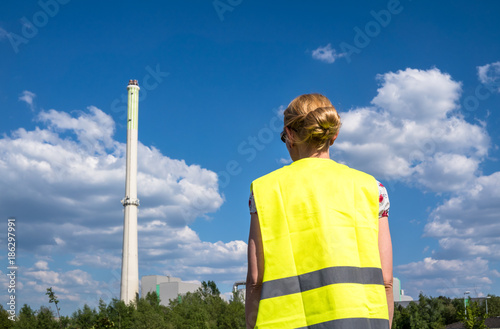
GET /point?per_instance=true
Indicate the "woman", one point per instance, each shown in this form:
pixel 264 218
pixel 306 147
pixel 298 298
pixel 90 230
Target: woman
pixel 319 250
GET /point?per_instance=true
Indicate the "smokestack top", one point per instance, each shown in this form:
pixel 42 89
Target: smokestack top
pixel 133 83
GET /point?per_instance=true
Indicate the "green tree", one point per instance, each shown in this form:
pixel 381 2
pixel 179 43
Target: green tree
pixel 435 311
pixel 209 289
pixel 189 312
pixel 53 299
pixel 85 318
pixel 449 313
pixel 102 321
pixel 26 318
pixel 45 319
pixel 149 314
pixel 474 317
pixel 493 305
pixel 5 322
pixel 234 316
pixel 121 314
pixel 203 309
pixel 401 319
pixel 416 320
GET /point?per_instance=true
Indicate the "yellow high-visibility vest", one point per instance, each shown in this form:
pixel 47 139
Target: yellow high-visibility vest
pixel 319 226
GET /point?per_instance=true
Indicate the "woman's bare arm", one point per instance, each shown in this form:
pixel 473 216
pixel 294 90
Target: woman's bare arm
pixel 385 249
pixel 255 272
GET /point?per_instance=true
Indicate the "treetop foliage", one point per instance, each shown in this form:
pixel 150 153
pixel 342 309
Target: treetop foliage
pixel 205 309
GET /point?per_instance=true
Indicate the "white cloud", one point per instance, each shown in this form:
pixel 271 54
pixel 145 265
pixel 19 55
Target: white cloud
pixel 284 161
pixel 467 224
pixel 73 287
pixel 447 277
pixel 70 170
pixel 470 247
pixel 467 228
pixel 59 241
pixel 447 171
pixel 99 259
pixel 417 95
pixel 479 204
pixel 412 133
pixel 41 265
pixel 174 189
pixel 326 54
pixel 76 166
pixel 27 96
pixel 93 130
pixel 429 267
pixel 180 251
pixel 489 75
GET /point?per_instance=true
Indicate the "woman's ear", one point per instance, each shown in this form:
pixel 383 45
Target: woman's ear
pixel 334 138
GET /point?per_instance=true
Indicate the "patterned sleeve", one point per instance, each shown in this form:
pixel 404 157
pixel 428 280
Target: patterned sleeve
pixel 251 204
pixel 383 199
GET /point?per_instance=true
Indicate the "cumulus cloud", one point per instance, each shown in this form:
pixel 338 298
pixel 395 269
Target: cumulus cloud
pixel 181 251
pixel 284 161
pixel 94 130
pixel 70 171
pixel 27 96
pixel 417 95
pixel 447 277
pixel 75 165
pixel 429 267
pixel 99 259
pixel 467 224
pixel 413 133
pixel 467 228
pixel 74 287
pixel 489 75
pixel 41 265
pixel 326 54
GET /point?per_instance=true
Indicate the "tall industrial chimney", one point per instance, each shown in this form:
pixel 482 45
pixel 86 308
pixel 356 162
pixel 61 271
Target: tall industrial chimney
pixel 130 261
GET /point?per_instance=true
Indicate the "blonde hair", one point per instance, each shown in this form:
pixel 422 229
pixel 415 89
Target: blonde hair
pixel 314 119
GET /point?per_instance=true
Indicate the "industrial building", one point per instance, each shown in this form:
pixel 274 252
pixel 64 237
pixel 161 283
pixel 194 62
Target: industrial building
pixel 399 294
pixel 167 287
pixel 242 291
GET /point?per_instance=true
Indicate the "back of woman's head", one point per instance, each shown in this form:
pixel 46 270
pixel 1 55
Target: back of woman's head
pixel 313 119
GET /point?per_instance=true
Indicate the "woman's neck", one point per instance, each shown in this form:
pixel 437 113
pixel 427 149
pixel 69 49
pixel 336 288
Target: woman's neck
pixel 300 152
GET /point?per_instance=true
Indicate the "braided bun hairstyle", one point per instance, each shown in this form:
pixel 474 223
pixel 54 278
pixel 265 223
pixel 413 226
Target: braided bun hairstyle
pixel 314 119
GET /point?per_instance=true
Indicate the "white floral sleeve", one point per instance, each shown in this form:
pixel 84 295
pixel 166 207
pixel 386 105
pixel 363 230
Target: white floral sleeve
pixel 251 204
pixel 383 201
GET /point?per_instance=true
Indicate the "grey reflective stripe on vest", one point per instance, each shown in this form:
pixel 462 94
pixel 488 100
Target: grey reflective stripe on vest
pixel 356 323
pixel 321 278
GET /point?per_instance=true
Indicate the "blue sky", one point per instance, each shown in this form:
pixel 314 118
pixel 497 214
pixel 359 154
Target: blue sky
pixel 417 84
